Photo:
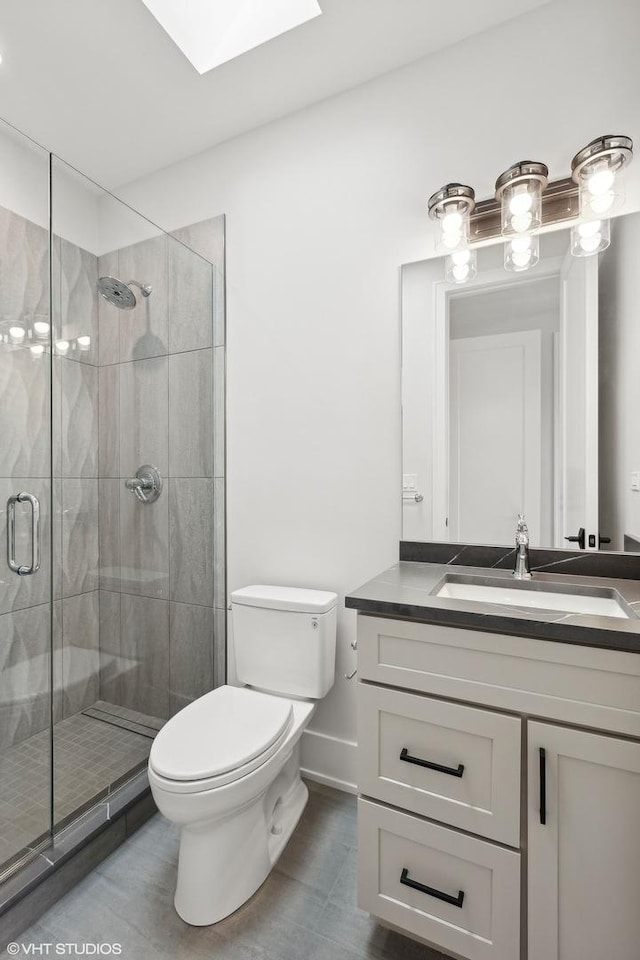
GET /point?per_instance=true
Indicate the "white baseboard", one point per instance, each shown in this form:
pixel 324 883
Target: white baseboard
pixel 329 760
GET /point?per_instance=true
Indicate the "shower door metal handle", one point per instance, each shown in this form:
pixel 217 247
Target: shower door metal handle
pixel 21 569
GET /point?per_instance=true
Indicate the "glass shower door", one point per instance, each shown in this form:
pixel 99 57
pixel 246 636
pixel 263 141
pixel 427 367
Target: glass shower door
pixel 26 595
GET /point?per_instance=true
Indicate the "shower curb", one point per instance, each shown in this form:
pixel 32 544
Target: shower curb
pixel 75 851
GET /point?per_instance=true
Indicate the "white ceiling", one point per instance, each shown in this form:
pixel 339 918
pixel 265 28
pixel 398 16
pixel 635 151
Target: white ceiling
pixel 101 84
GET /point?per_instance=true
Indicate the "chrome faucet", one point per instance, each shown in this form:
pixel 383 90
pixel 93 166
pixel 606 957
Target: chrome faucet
pixel 522 570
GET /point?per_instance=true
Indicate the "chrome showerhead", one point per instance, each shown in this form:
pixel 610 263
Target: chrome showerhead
pixel 120 294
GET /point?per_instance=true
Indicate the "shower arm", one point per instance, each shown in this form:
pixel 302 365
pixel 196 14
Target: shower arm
pixel 144 288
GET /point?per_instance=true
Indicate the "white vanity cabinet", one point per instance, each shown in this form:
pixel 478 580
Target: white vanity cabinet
pixel 467 741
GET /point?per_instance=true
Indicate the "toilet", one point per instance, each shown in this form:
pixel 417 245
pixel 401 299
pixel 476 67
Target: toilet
pixel 226 768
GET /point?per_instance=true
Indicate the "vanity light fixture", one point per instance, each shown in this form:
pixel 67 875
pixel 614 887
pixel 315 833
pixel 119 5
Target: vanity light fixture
pixel 597 169
pixel 451 207
pixel 525 201
pixel 519 192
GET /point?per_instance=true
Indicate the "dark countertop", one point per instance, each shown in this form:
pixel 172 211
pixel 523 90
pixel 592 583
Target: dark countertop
pixel 406 591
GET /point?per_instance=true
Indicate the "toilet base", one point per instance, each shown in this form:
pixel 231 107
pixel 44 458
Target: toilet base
pixel 223 862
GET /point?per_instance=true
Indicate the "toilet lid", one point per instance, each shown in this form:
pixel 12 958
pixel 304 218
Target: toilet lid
pixel 219 732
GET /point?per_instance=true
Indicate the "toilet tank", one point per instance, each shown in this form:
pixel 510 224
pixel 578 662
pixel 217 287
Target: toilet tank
pixel 284 639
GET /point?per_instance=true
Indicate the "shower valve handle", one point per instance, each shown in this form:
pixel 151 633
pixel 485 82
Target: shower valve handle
pixel 147 484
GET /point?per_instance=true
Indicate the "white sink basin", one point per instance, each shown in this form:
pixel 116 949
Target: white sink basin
pixel 527 596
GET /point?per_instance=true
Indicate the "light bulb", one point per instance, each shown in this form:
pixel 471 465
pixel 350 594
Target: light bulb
pixel 452 240
pixel 36 350
pixel 590 228
pixel 600 182
pixel 62 346
pixel 521 244
pixel 460 272
pixel 461 257
pixel 521 222
pixel 521 259
pixel 41 329
pixel 520 202
pixel 17 334
pixel 84 342
pixel 452 223
pixel 591 244
pixel 602 203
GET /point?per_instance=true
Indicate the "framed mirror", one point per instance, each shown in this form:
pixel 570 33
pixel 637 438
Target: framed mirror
pixel 521 394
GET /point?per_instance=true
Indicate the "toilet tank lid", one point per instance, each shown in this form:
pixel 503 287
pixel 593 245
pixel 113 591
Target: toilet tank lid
pixel 285 598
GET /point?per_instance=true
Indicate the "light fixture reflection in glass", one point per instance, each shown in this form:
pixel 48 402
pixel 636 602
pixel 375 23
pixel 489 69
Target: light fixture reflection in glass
pixel 519 190
pixel 17 334
pixel 590 237
pixel 461 266
pixel 62 347
pixel 41 330
pixel 84 343
pixel 521 253
pixel 37 351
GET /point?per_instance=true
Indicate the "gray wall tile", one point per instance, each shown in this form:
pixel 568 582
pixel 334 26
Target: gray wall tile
pixel 190 300
pixel 145 644
pixel 144 331
pixel 144 544
pixel 110 647
pixel 190 650
pixel 24 673
pixel 219 411
pixel 80 559
pixel 144 402
pixel 80 652
pixel 191 414
pixel 219 545
pixel 24 412
pixel 109 421
pixel 79 427
pixel 108 316
pixel 191 540
pixel 79 300
pixel 219 646
pixel 109 539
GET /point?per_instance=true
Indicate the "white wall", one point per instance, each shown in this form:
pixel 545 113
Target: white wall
pixel 323 206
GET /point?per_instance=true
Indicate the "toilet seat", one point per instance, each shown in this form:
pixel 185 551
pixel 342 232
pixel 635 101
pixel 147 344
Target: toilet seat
pixel 219 738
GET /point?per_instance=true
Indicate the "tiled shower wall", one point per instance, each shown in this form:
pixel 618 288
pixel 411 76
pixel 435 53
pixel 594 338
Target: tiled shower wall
pixel 159 623
pixel 139 591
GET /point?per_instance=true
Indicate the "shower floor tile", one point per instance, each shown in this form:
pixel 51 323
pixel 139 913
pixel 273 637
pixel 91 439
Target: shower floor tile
pixel 91 755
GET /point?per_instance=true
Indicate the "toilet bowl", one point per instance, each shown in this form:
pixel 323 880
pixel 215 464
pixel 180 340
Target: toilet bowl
pixel 226 768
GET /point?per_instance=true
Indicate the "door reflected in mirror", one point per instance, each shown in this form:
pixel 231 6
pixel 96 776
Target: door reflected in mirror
pixel 520 394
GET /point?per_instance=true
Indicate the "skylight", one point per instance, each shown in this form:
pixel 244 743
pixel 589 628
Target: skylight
pixel 211 32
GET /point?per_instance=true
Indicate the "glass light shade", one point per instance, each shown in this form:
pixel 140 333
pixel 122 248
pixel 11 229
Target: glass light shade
pixel 17 334
pixel 451 207
pixel 62 347
pixel 41 328
pixel 84 343
pixel 461 266
pixel 521 207
pixel 590 237
pixel 521 253
pixel 601 193
pixel 454 229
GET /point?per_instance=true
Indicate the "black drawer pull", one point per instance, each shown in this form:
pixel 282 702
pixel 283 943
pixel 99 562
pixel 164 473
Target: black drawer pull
pixel 454 901
pixel 452 771
pixel 543 785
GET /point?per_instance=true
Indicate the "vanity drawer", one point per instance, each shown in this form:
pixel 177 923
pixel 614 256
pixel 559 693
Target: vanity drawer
pixel 582 685
pixel 468 894
pixel 449 762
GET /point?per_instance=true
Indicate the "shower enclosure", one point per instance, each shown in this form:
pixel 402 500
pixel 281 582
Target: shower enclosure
pixel 112 597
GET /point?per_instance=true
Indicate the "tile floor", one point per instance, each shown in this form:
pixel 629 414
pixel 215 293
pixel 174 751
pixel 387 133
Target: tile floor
pixel 90 756
pixel 306 910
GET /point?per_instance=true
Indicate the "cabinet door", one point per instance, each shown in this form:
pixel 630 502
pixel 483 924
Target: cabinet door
pixel 584 860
